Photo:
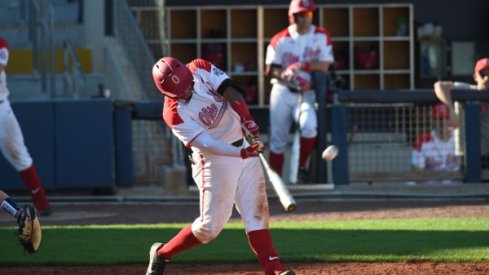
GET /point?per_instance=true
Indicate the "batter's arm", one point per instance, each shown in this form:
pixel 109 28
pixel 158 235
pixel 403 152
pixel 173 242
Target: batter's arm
pixel 275 71
pixel 208 144
pixel 234 95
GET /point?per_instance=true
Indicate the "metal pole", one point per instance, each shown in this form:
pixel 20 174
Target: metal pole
pixel 320 86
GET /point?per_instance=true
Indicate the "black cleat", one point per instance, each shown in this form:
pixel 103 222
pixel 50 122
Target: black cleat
pixel 303 175
pixel 45 212
pixel 156 263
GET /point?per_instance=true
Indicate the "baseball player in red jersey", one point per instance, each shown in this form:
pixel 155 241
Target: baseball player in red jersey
pixel 12 141
pixel 294 55
pixel 205 109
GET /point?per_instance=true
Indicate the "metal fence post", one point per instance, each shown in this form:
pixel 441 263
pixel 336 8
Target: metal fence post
pixel 339 126
pixel 472 142
pixel 320 81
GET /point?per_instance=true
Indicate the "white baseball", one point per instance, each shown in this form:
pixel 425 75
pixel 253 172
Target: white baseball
pixel 330 152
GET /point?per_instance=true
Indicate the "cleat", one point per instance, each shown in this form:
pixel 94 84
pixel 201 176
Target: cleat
pixel 45 212
pixel 287 272
pixel 156 263
pixel 303 175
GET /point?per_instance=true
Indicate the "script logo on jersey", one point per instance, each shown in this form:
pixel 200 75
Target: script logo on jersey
pixel 217 71
pixel 289 59
pixel 311 54
pixel 211 115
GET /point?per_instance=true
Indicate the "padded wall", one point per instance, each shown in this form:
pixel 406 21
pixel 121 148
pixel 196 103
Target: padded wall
pixel 36 121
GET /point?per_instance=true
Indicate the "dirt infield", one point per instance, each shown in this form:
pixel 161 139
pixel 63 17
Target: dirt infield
pixel 308 210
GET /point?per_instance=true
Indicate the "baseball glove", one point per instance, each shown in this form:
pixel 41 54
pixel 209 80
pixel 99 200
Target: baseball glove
pixel 29 232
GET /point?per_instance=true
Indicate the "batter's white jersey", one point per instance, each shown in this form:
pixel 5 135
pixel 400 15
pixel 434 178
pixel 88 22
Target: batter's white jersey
pixel 288 47
pixel 205 111
pixel 223 181
pixel 4 92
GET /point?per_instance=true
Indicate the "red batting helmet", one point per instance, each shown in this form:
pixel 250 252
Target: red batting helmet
pixel 297 6
pixel 3 43
pixel 172 77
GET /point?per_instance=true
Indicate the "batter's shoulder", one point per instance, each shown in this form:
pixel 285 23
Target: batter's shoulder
pixel 199 64
pixel 278 36
pixel 323 31
pixel 170 114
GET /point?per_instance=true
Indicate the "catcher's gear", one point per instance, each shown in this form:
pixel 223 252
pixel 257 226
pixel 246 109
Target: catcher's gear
pixel 297 6
pixel 29 232
pixel 172 77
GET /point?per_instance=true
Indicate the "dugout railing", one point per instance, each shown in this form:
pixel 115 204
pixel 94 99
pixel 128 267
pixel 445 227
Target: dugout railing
pixel 376 131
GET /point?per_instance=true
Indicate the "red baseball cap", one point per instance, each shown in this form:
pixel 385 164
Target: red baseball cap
pixel 440 110
pixel 481 64
pixel 3 43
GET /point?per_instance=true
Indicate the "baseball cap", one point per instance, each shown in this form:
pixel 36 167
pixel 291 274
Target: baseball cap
pixel 440 110
pixel 3 43
pixel 481 64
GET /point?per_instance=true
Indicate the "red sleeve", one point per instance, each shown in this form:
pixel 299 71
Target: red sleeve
pixel 278 36
pixel 3 43
pixel 326 33
pixel 425 137
pixel 170 114
pixel 199 64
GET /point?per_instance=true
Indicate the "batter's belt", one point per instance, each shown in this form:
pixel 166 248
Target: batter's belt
pixel 237 143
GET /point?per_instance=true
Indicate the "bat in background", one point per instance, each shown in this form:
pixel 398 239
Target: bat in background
pixel 296 147
pixel 286 199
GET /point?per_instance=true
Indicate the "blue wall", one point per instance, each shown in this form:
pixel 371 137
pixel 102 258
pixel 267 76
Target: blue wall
pixel 71 142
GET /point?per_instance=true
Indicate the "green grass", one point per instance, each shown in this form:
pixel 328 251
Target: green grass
pixel 438 240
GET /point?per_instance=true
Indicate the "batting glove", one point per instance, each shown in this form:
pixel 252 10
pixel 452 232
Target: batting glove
pixel 295 74
pixel 252 151
pixel 250 130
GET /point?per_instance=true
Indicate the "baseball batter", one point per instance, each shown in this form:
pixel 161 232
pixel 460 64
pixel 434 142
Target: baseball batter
pixel 294 55
pixel 205 109
pixel 12 142
pixel 443 92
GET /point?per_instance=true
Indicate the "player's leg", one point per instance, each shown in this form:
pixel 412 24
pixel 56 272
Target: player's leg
pixel 252 204
pixel 15 151
pixel 217 186
pixel 308 125
pixel 282 103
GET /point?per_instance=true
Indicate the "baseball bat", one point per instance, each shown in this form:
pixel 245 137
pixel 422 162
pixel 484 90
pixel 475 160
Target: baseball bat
pixel 294 158
pixel 279 186
pixel 296 146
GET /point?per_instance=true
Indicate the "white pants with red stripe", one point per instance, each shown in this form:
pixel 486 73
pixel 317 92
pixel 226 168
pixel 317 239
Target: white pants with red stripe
pixel 11 139
pixel 284 109
pixel 224 182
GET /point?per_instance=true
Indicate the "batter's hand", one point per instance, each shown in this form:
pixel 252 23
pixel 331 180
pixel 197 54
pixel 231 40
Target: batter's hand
pixel 252 151
pixel 292 75
pixel 250 130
